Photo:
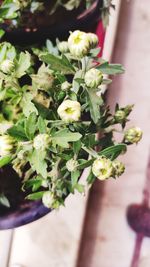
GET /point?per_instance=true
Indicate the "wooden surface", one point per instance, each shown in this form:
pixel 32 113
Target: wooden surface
pixel 107 239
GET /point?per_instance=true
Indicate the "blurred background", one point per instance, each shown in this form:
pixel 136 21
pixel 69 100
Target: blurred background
pixel 92 230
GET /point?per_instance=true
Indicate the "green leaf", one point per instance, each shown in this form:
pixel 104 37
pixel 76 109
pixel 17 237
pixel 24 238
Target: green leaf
pixel 63 137
pixel 35 196
pixel 58 64
pixel 85 163
pixel 27 104
pixel 23 64
pixel 111 69
pixel 91 178
pixel 79 188
pixel 38 162
pixel 18 132
pixel 77 146
pixel 74 177
pixel 30 125
pixel 4 201
pixel 1 33
pixel 5 160
pixel 113 152
pixel 41 125
pixel 95 102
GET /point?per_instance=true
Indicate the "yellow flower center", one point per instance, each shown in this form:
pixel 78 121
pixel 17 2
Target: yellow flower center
pixel 69 110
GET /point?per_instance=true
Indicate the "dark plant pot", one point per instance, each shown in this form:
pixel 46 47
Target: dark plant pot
pixel 22 211
pixel 85 21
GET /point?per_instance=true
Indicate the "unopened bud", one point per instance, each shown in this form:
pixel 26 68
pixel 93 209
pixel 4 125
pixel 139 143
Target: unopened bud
pixel 133 135
pixel 93 78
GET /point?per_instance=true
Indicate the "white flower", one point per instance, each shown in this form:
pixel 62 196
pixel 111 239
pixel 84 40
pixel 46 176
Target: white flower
pixel 7 145
pixel 65 86
pixel 41 141
pixel 79 44
pixel 118 168
pixel 93 78
pixel 71 165
pixel 63 47
pixel 4 126
pixel 7 66
pixel 102 168
pixel 133 135
pixel 47 199
pixel 93 39
pixel 69 110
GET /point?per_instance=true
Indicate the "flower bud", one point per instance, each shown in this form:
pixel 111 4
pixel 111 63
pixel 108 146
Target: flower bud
pixel 71 165
pixel 118 168
pixel 7 145
pixel 7 66
pixel 102 168
pixel 120 116
pixel 63 47
pixel 41 141
pixel 133 135
pixel 93 78
pixel 69 111
pixel 66 86
pixel 93 39
pixel 79 44
pixel 48 199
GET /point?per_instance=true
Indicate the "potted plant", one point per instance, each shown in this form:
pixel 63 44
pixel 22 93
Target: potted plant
pixel 28 21
pixel 52 107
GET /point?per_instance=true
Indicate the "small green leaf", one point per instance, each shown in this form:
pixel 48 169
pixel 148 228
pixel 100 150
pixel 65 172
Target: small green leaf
pixel 18 132
pixel 41 125
pixel 30 125
pixel 5 160
pixel 91 178
pixel 95 102
pixel 35 196
pixel 85 163
pixel 111 69
pixel 74 177
pixel 77 147
pixel 38 162
pixel 63 137
pixel 113 151
pixel 4 201
pixel 58 64
pixel 23 64
pixel 27 104
pixel 79 188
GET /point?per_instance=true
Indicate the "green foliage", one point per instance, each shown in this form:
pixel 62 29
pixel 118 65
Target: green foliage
pixel 50 150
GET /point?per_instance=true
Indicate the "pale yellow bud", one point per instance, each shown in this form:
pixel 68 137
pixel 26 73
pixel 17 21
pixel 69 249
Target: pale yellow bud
pixel 93 78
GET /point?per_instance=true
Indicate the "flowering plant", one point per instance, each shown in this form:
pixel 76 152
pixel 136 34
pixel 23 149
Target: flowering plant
pixel 52 107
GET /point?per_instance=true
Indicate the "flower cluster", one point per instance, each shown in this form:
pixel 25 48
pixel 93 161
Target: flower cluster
pixel 51 112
